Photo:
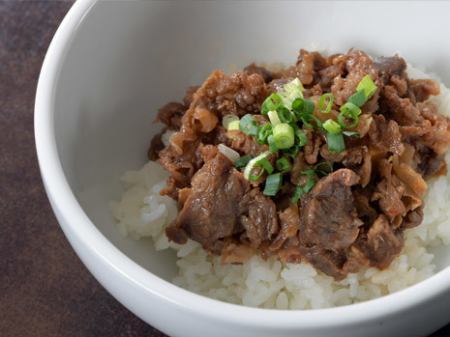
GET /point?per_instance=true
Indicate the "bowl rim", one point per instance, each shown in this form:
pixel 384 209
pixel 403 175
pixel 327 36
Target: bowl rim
pixel 96 243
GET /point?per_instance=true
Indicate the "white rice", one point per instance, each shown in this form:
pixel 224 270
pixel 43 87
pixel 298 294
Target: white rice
pixel 142 212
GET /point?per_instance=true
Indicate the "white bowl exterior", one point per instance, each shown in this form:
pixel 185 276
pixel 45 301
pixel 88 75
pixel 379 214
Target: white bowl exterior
pixel 112 64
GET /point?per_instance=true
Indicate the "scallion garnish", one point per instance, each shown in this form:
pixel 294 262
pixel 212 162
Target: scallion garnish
pixel 358 98
pixel 230 122
pixel 326 103
pixel 283 136
pixel 368 86
pixel 273 117
pixel 283 164
pixel 285 115
pixel 301 136
pixel 272 146
pixel 261 163
pixel 265 164
pixel 335 142
pixel 273 184
pixel 271 103
pixel 307 187
pixel 349 112
pixel 264 131
pixel 331 126
pixel 242 162
pixel 247 125
pixel 291 91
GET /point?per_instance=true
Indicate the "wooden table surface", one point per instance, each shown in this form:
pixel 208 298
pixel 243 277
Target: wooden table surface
pixel 44 289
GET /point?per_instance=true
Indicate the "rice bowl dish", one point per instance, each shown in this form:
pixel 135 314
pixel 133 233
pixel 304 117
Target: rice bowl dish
pixel 271 283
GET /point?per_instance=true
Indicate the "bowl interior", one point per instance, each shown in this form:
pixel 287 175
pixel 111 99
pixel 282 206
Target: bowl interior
pixel 129 58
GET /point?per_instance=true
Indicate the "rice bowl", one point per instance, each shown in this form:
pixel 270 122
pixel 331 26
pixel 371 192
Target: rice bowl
pixel 84 91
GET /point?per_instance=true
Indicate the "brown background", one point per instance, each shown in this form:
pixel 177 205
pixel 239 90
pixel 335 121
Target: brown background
pixel 44 288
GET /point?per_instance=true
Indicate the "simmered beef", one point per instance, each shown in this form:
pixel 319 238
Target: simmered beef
pixel 220 204
pixel 340 210
pixel 211 211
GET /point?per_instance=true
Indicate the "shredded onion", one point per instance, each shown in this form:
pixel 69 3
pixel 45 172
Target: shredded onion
pixel 228 152
pixel 165 137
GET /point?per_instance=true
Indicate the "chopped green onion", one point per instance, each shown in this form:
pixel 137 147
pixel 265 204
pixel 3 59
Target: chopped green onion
pixel 273 117
pixel 351 133
pixel 283 164
pixel 358 98
pixel 368 86
pixel 266 165
pixel 272 146
pixel 271 103
pixel 309 185
pixel 258 175
pixel 326 98
pixel 242 162
pixel 264 132
pixel 349 111
pixel 247 125
pixel 335 142
pixel 308 106
pixel 227 120
pixel 300 191
pixel 297 105
pixel 331 126
pixel 234 125
pixel 285 115
pixel 303 110
pixel 301 136
pixel 283 136
pixel 273 184
pixel 261 161
pixel 303 106
pixel 291 91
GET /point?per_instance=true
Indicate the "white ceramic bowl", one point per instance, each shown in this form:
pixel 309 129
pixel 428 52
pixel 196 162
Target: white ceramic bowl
pixel 112 64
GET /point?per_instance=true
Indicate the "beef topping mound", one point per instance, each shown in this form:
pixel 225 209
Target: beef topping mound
pixel 325 161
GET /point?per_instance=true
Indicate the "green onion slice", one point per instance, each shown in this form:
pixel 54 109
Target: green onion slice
pixel 285 115
pixel 273 117
pixel 335 142
pixel 331 126
pixel 283 164
pixel 272 146
pixel 300 191
pixel 261 161
pixel 301 136
pixel 229 119
pixel 234 125
pixel 358 98
pixel 247 125
pixel 326 103
pixel 349 112
pixel 273 184
pixel 271 103
pixel 368 86
pixel 264 131
pixel 283 136
pixel 242 162
pixel 291 91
